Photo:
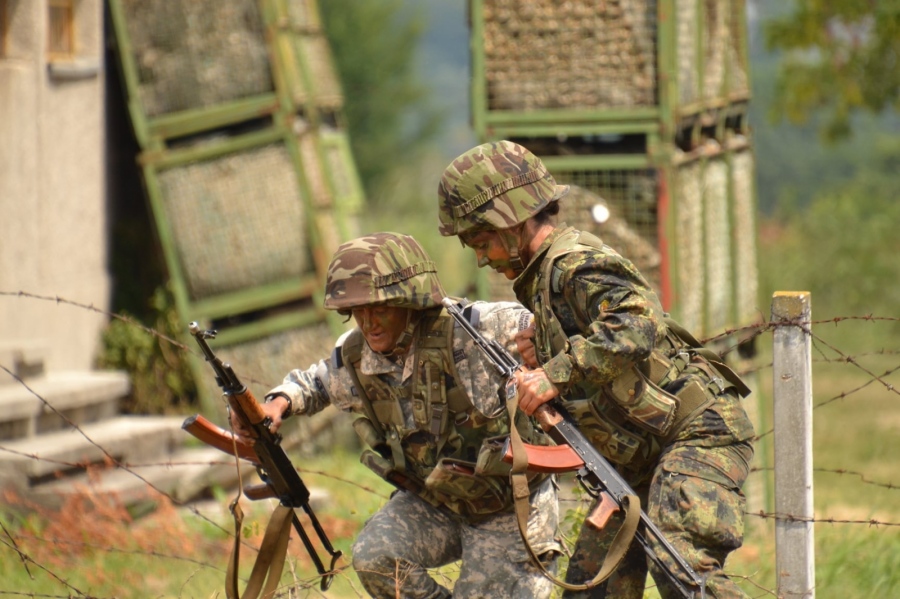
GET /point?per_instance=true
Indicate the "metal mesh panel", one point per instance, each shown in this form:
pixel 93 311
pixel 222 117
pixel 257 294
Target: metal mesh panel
pixel 237 221
pixel 737 68
pixel 197 54
pixel 544 54
pixel 630 196
pixel 718 35
pixel 687 199
pixel 311 43
pixel 717 238
pixel 715 41
pixel 688 82
pixel 747 301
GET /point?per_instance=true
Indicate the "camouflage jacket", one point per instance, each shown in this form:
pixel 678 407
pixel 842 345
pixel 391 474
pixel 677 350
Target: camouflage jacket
pixel 392 388
pixel 612 321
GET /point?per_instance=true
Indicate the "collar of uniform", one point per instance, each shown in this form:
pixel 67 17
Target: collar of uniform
pixel 524 284
pixel 373 363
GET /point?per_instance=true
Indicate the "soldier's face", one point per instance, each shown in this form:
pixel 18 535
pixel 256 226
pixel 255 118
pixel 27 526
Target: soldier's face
pixel 381 325
pixel 491 252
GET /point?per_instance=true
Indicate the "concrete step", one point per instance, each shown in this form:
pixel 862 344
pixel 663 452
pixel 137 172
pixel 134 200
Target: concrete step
pixel 187 476
pixel 30 462
pixel 23 357
pixel 183 476
pixel 81 397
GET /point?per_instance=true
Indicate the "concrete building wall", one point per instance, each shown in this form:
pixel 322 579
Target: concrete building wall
pixel 53 230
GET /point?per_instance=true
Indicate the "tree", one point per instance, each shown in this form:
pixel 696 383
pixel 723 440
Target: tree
pixel 842 56
pixel 389 118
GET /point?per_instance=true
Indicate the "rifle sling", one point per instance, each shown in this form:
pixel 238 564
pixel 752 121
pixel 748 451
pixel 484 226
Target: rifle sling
pixel 631 505
pixel 270 560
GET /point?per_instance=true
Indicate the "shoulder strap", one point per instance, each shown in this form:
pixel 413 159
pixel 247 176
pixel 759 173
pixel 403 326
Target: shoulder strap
pixel 712 357
pixel 351 353
pixel 518 475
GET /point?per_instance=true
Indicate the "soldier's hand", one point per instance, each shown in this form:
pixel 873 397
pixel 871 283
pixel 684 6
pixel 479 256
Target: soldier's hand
pixel 273 409
pixel 525 345
pixel 535 389
pixel 240 429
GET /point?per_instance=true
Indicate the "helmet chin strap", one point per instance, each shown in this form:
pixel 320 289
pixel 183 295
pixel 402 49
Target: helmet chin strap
pixel 510 238
pixel 406 337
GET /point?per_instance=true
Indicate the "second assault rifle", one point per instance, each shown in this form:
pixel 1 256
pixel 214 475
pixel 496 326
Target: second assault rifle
pixel 594 473
pixel 274 467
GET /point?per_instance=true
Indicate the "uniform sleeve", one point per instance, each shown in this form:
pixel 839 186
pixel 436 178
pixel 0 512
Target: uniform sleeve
pixel 324 383
pixel 498 321
pixel 611 316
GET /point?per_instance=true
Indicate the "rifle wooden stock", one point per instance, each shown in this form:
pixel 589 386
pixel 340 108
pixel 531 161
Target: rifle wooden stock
pixel 218 437
pixel 261 491
pixel 246 407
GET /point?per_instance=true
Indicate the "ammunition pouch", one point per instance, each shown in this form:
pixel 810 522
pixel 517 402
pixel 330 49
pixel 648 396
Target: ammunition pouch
pixel 467 492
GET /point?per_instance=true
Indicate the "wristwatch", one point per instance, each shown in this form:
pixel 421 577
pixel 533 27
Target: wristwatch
pixel 289 410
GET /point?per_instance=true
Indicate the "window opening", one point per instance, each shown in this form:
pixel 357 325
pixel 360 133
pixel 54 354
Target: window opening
pixel 60 30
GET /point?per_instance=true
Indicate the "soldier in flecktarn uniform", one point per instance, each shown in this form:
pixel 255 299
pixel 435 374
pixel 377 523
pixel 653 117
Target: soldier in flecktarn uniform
pixel 432 417
pixel 659 406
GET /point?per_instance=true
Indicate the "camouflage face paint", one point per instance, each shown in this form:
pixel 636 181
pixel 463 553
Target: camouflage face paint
pixel 381 326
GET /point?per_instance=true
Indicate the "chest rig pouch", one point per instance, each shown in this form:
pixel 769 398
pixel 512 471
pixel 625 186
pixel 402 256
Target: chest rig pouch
pixel 628 419
pixel 427 430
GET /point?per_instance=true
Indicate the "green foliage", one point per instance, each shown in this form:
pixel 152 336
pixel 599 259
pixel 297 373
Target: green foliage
pixel 843 246
pixel 842 56
pixel 390 122
pixel 161 378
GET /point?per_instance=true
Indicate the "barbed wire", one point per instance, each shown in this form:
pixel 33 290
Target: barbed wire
pixel 828 353
pixel 863 479
pixel 795 518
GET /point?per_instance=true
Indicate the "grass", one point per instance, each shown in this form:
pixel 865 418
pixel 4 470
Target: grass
pixel 96 548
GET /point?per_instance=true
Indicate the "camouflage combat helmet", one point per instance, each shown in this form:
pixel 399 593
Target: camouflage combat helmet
pixel 494 186
pixel 382 269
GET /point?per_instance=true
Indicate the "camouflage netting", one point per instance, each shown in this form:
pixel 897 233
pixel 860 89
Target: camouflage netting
pixel 717 237
pixel 746 298
pixel 261 365
pixel 713 196
pixel 238 221
pixel 687 198
pixel 723 70
pixel 686 25
pixel 312 49
pixel 543 54
pixel 739 82
pixel 197 54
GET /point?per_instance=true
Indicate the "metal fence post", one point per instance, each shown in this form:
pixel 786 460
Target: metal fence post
pixel 792 399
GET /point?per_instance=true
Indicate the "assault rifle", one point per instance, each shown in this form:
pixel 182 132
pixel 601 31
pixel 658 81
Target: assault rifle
pixel 574 452
pixel 279 476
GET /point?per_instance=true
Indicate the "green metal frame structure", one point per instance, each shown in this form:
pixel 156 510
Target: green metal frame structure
pixel 695 127
pixel 298 121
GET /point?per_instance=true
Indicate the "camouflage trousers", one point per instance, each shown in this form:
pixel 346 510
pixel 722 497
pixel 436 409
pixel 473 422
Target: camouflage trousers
pixel 408 535
pixel 695 499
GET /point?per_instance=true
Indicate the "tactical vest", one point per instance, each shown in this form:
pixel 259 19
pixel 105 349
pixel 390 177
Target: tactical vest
pixel 633 418
pixel 452 454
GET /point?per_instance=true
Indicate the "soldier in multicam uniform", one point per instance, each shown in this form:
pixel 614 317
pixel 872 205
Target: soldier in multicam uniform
pixel 650 398
pixel 432 417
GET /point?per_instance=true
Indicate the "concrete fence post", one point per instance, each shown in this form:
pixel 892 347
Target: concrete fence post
pixel 792 399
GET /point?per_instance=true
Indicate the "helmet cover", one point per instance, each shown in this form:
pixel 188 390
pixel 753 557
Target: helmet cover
pixel 382 269
pixel 494 186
